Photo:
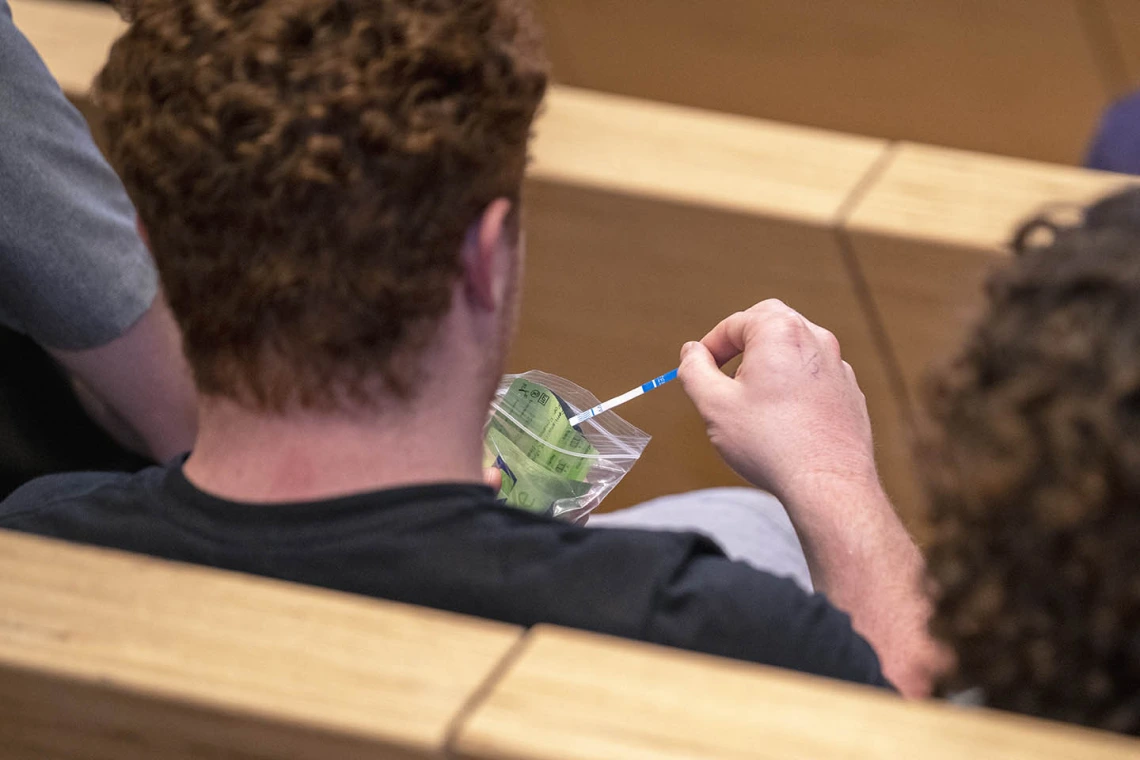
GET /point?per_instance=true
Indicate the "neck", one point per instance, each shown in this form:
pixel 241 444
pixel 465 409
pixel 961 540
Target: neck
pixel 437 437
pixel 249 456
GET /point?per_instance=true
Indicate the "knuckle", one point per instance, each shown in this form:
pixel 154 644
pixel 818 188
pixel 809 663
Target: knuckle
pixel 770 305
pixel 737 320
pixel 789 322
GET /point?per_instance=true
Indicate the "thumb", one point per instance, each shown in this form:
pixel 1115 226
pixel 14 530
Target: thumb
pixel 700 376
pixel 493 477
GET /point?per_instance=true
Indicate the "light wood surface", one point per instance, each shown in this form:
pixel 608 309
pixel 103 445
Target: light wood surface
pixel 1125 19
pixel 104 654
pixel 576 696
pixel 671 153
pixel 972 74
pixel 928 231
pixel 985 75
pixel 73 38
pixel 647 224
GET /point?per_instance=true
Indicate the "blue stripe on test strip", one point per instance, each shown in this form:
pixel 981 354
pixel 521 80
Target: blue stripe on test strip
pixel 659 381
pixel 619 400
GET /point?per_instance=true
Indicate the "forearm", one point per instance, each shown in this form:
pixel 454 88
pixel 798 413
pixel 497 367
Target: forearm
pixel 142 380
pixel 863 559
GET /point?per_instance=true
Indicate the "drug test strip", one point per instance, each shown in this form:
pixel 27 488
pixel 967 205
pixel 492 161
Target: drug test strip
pixel 605 406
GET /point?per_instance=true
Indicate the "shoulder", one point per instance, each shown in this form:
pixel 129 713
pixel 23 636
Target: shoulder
pixel 1127 108
pixel 54 492
pixel 726 608
pixel 75 273
pixel 1114 148
pixel 1121 121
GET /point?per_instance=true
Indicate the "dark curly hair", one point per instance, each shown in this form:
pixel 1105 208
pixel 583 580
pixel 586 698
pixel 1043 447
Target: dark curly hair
pixel 1031 449
pixel 306 171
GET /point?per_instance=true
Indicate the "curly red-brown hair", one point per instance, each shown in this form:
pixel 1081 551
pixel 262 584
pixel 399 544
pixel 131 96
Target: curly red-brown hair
pixel 1032 454
pixel 306 171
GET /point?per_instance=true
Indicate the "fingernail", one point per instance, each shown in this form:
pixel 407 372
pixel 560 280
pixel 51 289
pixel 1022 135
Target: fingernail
pixel 685 349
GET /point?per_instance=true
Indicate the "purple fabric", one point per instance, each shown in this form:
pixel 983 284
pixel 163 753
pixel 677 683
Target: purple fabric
pixel 1117 144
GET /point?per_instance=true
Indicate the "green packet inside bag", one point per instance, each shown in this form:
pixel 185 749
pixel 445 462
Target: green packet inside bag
pixel 548 466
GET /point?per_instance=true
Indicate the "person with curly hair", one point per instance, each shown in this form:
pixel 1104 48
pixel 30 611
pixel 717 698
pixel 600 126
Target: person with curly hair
pixel 332 192
pixel 1031 449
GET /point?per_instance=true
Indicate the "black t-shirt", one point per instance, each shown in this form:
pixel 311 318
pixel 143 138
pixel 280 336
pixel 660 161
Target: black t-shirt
pixel 451 547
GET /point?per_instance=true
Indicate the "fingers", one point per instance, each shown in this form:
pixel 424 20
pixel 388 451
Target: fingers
pixel 767 319
pixel 773 330
pixel 701 377
pixel 828 343
pixel 728 339
pixel 493 477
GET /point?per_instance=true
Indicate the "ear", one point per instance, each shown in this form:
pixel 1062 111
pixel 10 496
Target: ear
pixel 489 242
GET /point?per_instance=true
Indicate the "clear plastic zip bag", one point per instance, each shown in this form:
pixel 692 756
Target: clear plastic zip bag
pixel 548 466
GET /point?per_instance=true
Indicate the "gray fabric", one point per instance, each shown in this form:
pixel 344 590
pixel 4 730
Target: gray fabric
pixel 73 272
pixel 749 525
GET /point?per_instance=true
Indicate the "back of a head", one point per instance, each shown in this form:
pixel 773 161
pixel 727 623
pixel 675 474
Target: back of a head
pixel 1031 451
pixel 306 171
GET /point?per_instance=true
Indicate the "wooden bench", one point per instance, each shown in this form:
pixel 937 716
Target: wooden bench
pixel 576 696
pixel 121 657
pixel 1124 19
pixel 73 37
pixel 117 656
pixel 986 75
pixel 934 223
pixel 1016 77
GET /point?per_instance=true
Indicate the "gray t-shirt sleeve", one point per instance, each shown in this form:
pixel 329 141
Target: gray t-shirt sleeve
pixel 74 273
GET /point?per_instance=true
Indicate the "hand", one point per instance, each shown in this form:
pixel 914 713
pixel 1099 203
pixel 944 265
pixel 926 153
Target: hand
pixel 793 417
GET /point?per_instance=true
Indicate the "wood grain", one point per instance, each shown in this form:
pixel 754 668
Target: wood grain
pixel 930 229
pixel 672 153
pixel 984 75
pixel 577 696
pixel 1125 18
pixel 971 74
pixel 106 654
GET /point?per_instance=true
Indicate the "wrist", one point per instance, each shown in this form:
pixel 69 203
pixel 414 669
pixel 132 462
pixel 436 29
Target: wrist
pixel 835 491
pixel 849 529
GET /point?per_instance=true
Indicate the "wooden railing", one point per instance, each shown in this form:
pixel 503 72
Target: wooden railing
pixel 1024 78
pixel 120 657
